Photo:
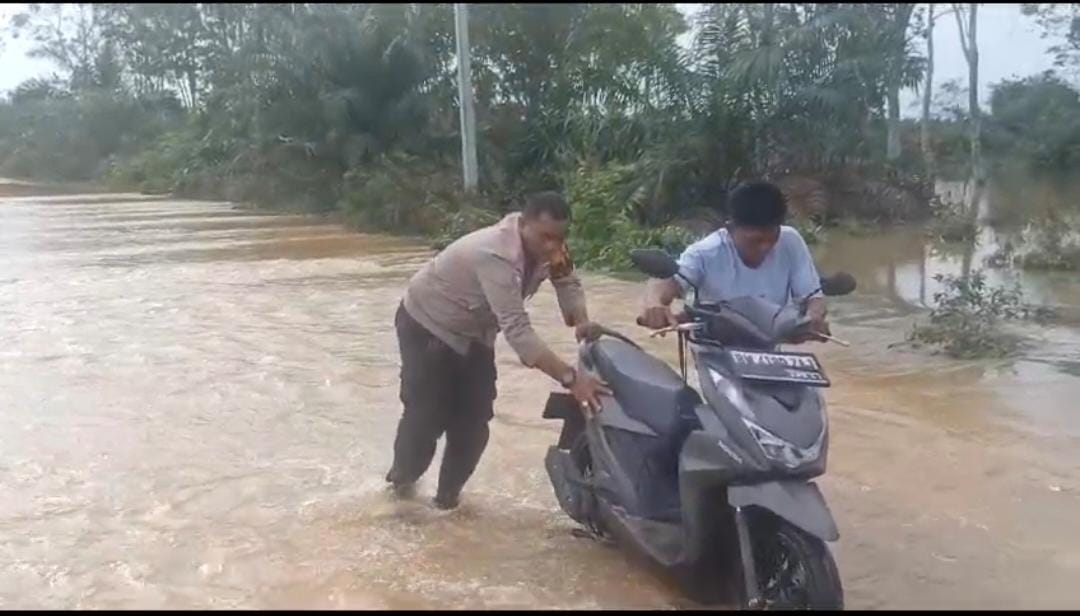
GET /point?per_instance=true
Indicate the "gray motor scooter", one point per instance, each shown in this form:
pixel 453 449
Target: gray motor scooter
pixel 713 487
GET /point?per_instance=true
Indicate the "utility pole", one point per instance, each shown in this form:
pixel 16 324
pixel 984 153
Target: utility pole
pixel 465 96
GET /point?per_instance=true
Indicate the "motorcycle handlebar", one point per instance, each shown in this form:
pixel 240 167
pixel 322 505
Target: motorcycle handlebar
pixel 683 317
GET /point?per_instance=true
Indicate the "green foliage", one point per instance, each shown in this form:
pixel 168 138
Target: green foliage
pixel 54 135
pixel 462 222
pixel 161 166
pixel 1052 242
pixel 1036 120
pixel 952 222
pixel 806 74
pixel 812 232
pixel 400 192
pixel 966 321
pixel 604 230
pixel 354 106
pixel 1057 259
pixel 1060 21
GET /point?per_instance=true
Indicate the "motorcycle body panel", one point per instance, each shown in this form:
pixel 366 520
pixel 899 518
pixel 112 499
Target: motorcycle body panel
pixel 798 502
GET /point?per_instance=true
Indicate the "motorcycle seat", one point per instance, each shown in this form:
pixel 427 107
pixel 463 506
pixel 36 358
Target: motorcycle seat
pixel 648 389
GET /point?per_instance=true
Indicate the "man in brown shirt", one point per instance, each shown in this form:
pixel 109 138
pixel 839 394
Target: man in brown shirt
pixel 447 323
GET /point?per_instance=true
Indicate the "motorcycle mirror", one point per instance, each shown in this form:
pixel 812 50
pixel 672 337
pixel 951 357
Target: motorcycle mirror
pixel 654 262
pixel 840 283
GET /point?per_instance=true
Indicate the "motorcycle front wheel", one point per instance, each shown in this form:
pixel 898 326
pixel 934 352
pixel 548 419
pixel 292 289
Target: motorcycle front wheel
pixel 795 570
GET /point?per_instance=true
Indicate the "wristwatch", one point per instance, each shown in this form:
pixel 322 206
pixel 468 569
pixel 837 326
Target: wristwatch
pixel 569 378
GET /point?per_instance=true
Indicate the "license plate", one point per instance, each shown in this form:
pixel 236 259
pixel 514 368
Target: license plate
pixel 800 368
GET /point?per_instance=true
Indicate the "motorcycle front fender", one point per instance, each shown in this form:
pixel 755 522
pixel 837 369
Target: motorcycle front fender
pixel 799 502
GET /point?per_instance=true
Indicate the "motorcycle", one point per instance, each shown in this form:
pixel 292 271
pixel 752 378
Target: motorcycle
pixel 713 487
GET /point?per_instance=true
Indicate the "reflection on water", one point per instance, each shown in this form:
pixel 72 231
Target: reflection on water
pixel 197 405
pixel 901 264
pixel 896 269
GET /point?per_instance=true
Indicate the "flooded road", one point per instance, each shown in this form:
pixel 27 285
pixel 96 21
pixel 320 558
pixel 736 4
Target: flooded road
pixel 197 404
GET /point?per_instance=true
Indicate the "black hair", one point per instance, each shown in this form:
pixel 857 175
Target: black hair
pixel 757 204
pixel 547 202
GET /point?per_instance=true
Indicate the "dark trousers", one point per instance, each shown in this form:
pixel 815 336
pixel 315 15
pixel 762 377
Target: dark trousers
pixel 442 392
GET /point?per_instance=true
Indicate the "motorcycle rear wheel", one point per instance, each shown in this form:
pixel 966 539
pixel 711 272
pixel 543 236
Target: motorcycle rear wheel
pixel 582 457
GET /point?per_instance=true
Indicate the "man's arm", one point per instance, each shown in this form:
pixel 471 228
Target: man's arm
pixel 501 283
pixel 571 296
pixel 660 293
pixel 502 288
pixel 568 288
pixel 806 282
pixel 818 312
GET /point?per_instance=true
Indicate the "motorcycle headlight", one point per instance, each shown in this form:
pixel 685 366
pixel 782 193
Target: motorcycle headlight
pixel 779 450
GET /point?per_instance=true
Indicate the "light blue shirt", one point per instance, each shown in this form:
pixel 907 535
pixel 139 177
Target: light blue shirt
pixel 714 266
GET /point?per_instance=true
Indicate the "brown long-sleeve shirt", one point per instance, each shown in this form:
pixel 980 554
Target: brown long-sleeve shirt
pixel 475 288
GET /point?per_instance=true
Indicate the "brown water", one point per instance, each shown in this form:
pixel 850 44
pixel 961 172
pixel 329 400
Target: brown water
pixel 197 405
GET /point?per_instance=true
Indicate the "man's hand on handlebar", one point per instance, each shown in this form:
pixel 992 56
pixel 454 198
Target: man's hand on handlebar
pixel 821 326
pixel 587 331
pixel 657 317
pixel 817 313
pixel 813 329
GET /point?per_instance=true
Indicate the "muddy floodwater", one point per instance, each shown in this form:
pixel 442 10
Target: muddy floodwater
pixel 197 404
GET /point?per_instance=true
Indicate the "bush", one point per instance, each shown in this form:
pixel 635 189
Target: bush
pixel 604 230
pixel 966 320
pixel 401 192
pixel 812 232
pixel 61 136
pixel 160 167
pixel 1050 243
pixel 1067 259
pixel 1036 120
pixel 952 222
pixel 462 222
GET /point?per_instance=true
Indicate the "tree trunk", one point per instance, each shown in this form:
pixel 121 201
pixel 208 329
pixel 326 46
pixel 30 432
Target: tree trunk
pixel 193 87
pixel 973 95
pixel 892 151
pixel 901 19
pixel 764 135
pixel 969 43
pixel 922 276
pixel 893 290
pixel 927 147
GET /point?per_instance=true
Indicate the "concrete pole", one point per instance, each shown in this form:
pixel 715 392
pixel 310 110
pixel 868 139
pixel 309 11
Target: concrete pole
pixel 465 96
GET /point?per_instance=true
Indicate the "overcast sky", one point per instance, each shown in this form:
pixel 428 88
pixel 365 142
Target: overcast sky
pixel 1010 45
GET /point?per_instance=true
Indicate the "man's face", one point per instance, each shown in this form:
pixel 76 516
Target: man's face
pixel 543 236
pixel 754 243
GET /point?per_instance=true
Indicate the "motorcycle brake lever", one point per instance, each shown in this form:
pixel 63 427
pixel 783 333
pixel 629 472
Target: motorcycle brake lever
pixel 828 338
pixel 682 327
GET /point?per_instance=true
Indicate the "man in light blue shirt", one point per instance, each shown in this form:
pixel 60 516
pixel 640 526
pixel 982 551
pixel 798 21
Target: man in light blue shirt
pixel 755 255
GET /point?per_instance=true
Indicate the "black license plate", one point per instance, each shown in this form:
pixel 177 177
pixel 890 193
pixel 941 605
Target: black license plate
pixel 800 368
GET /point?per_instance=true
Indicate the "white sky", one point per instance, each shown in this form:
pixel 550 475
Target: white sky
pixel 1010 45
